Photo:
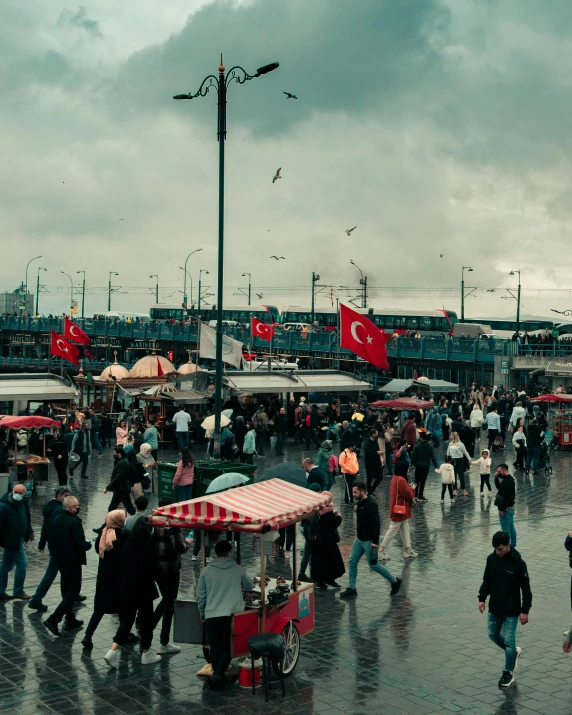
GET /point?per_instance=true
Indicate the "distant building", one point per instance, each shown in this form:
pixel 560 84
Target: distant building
pixel 19 301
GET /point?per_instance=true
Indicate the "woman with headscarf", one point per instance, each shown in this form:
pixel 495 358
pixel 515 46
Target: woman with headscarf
pixel 109 545
pixel 434 425
pixel 139 564
pixel 326 562
pixel 327 462
pixel 136 475
pixel 145 457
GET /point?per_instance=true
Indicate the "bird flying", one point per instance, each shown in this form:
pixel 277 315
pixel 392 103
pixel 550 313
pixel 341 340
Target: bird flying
pixel 441 254
pixel 492 290
pixel 289 95
pixel 279 258
pixel 277 176
pixel 349 230
pixel 259 295
pixel 122 219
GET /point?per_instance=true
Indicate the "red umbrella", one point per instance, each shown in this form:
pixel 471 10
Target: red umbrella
pixel 27 422
pixel 404 403
pixel 552 398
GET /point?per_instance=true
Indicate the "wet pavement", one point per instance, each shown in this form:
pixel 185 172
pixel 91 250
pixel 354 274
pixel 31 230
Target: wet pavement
pixel 424 651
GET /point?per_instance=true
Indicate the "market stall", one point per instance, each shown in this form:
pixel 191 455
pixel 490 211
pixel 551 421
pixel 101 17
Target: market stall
pixel 276 605
pixel 404 403
pixel 558 415
pixel 28 468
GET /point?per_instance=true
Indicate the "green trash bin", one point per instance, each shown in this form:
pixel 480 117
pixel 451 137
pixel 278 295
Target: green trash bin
pixel 205 472
pixel 165 473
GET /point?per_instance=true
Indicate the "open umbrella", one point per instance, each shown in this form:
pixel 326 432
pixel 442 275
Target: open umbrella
pixel 288 472
pixel 226 481
pixel 208 422
pixel 228 412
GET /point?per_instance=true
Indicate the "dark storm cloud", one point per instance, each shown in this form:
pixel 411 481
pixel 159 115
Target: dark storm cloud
pixel 79 19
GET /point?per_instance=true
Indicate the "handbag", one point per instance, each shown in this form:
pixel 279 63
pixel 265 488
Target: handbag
pixel 399 508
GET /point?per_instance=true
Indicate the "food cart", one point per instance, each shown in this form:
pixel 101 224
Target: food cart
pixel 276 605
pixel 559 416
pixel 28 468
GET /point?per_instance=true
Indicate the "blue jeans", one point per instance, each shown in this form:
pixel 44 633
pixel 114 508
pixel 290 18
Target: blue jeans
pixel 183 438
pixel 502 631
pixel 359 548
pixel 47 581
pixel 185 492
pixel 10 559
pixel 332 429
pixel 96 443
pixel 507 524
pixel 533 457
pixel 260 439
pixel 280 439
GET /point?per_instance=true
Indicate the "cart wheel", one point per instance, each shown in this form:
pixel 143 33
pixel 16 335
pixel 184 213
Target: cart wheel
pixel 291 649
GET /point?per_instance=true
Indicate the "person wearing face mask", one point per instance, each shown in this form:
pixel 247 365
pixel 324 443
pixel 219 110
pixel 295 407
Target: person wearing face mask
pixel 15 531
pixel 68 545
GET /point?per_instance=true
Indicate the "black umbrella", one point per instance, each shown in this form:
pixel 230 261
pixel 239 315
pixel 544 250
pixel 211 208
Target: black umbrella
pixel 288 472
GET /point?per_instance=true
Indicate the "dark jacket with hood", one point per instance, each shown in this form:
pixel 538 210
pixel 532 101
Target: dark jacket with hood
pixel 368 525
pixel 49 511
pixel 504 579
pixel 15 522
pixel 120 477
pixel 423 455
pixel 506 492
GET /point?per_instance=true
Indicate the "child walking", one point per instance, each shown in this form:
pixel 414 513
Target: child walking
pixel 447 472
pixel 485 469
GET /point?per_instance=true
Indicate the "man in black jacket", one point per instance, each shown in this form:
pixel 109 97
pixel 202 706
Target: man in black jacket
pixel 15 531
pixel 533 444
pixel 372 458
pixel 49 511
pixel 315 474
pixel 504 501
pixel 67 544
pixel 280 428
pixel 367 542
pixel 120 483
pixel 422 457
pixel 505 577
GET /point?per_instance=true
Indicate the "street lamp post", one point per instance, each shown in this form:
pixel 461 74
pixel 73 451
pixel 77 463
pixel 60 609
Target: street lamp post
pixel 202 270
pixel 111 273
pixel 240 76
pixel 82 295
pixel 517 301
pixel 71 289
pixel 363 284
pixel 35 258
pixel 315 279
pixel 154 275
pixel 185 282
pixel 38 289
pixel 465 268
pixel 249 285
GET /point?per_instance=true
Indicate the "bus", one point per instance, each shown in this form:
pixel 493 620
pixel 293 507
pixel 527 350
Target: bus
pixel 117 315
pixel 434 322
pixel 506 328
pixel 239 313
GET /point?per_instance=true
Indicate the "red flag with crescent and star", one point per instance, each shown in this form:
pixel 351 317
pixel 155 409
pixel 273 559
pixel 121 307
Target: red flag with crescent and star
pixel 364 338
pixel 262 330
pixel 75 333
pixel 61 348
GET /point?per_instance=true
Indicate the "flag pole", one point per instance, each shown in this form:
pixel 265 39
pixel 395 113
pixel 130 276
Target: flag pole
pixel 270 357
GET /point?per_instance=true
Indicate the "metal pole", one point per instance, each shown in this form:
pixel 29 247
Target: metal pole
pixel 364 301
pixel 249 288
pixel 518 306
pixel 462 295
pixel 38 292
pixel 199 297
pixel 313 299
pixel 157 290
pixel 27 265
pixel 83 297
pixel 220 287
pixel 109 295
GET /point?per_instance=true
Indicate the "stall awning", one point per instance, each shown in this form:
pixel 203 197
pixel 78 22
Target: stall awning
pixel 27 422
pixel 559 367
pixel 295 381
pixel 404 403
pixel 255 507
pixel 553 399
pixel 433 385
pixel 35 388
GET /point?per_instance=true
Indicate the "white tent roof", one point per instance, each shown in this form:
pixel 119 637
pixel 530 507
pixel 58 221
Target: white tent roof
pixel 433 385
pixel 40 387
pixel 295 381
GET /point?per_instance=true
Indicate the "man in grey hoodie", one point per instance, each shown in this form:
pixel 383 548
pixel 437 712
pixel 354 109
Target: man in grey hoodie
pixel 219 595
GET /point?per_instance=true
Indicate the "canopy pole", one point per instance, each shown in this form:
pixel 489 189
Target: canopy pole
pixel 295 562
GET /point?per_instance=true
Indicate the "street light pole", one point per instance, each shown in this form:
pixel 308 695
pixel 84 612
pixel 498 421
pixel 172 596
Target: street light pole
pixel 468 268
pixel 185 280
pixel 38 289
pixel 517 301
pixel 27 265
pixel 201 271
pixel 154 275
pixel 71 288
pixel 82 295
pixel 315 279
pixel 240 76
pixel 111 273
pixel 185 305
pixel 249 285
pixel 363 284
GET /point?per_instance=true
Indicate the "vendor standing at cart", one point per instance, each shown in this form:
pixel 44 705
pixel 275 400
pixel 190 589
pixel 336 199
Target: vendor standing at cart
pixel 219 595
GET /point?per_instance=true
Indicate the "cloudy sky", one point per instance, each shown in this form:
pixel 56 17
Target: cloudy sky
pixel 437 126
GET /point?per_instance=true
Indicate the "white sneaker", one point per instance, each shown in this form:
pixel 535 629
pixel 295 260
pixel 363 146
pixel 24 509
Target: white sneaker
pixel 149 658
pixel 169 648
pixel 518 652
pixel 193 558
pixel 566 633
pixel 409 554
pixel 111 658
pixel 442 501
pixel 383 556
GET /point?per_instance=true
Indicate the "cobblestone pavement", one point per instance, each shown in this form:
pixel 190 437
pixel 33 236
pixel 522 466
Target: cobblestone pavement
pixel 424 651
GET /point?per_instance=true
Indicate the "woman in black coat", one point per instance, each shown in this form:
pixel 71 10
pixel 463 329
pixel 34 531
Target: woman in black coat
pixel 139 564
pixel 59 452
pixel 109 545
pixel 327 564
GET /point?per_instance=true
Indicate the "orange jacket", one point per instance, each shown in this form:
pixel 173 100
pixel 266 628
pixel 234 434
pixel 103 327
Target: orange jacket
pixel 348 462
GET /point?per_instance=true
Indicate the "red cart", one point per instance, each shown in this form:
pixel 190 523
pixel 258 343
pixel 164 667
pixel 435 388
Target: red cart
pixel 257 509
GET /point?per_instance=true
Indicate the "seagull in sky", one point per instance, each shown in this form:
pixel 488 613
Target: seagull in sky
pixel 279 258
pixel 259 295
pixel 441 254
pixel 277 176
pixel 492 290
pixel 122 219
pixel 289 95
pixel 349 230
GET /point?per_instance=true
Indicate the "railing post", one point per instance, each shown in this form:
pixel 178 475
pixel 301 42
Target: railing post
pixel 448 348
pixel 422 348
pixel 475 350
pixel 398 346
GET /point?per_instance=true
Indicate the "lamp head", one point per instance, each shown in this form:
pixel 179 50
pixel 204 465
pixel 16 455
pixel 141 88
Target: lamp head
pixel 266 69
pixel 182 96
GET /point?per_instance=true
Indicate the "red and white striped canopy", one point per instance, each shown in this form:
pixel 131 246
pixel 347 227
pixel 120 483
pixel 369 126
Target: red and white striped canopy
pixel 273 504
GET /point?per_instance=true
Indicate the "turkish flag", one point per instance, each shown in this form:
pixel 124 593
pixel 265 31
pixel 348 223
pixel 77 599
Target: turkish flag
pixel 262 330
pixel 160 372
pixel 361 336
pixel 61 348
pixel 75 333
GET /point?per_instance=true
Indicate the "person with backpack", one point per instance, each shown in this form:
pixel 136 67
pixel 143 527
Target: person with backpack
pixel 434 425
